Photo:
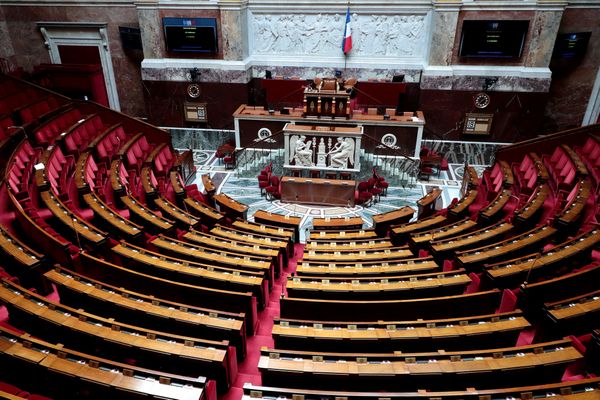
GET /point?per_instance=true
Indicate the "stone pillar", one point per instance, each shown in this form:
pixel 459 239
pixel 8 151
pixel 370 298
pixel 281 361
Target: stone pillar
pixel 7 50
pixel 443 26
pixel 151 28
pixel 234 29
pixel 543 33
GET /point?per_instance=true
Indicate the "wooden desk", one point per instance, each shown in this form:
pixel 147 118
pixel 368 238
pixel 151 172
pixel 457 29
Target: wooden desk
pixel 120 225
pixel 574 316
pixel 318 191
pixel 228 281
pixel 230 206
pixel 400 233
pixel 573 252
pixel 513 247
pixel 234 246
pixel 22 261
pixel 115 180
pixel 574 209
pixel 388 288
pixel 372 268
pixel 462 207
pixel 379 243
pixel 507 174
pixel 208 215
pixel 471 176
pixel 79 227
pixel 527 213
pixel 419 239
pixel 451 370
pixel 171 290
pixel 585 389
pixel 441 248
pixel 382 222
pixel 343 235
pixel 493 211
pixel 250 263
pixel 386 254
pixel 151 349
pixel 467 333
pixel 57 248
pixel 209 186
pixel 428 202
pixel 79 173
pixel 109 301
pixel 541 170
pixel 428 308
pixel 579 165
pixel 569 285
pixel 184 220
pixel 282 221
pixel 282 245
pixel 337 223
pixel 149 219
pixel 80 372
pixel 177 185
pixel 275 233
pixel 149 189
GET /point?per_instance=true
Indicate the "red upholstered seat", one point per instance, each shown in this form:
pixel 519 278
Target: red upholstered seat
pixel 272 190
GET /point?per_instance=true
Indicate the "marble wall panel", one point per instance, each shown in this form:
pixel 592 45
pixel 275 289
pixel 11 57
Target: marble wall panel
pixel 234 38
pixel 442 37
pixel 151 30
pixel 164 103
pixel 516 116
pixel 543 35
pixel 572 80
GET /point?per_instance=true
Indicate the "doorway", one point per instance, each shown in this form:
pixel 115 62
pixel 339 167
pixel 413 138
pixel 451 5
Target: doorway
pixel 84 43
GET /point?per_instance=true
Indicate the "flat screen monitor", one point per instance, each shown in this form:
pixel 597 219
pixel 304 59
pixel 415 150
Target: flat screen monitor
pixel 493 39
pixel 571 45
pixel 131 38
pixel 190 35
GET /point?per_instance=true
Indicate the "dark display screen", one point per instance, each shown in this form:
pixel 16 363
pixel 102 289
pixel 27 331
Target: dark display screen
pixel 493 39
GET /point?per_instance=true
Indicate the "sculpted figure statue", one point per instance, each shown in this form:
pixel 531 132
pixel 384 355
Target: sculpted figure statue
pixel 341 153
pixel 303 153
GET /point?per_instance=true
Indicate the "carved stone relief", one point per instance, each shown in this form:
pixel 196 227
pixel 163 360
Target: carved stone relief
pixel 321 34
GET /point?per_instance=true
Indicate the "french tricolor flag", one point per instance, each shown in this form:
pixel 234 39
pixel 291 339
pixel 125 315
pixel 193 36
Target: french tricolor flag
pixel 347 41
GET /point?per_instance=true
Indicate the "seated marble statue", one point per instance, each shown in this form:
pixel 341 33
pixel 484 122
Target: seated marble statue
pixel 341 153
pixel 303 153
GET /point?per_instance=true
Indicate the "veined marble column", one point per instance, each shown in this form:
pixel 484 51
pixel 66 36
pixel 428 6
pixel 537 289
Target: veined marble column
pixel 443 25
pixel 150 27
pixel 543 34
pixel 234 28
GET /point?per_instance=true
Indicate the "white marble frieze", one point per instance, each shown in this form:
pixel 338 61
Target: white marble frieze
pixel 386 36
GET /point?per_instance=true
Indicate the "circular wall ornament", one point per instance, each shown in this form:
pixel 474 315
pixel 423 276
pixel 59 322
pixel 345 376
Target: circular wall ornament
pixel 193 90
pixel 389 139
pixel 481 100
pixel 264 133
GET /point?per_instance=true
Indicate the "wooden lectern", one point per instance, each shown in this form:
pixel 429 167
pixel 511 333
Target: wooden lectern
pixel 326 99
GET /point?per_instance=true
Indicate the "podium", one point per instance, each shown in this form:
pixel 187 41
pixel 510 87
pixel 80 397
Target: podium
pixel 326 100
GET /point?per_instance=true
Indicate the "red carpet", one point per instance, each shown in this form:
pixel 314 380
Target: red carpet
pixel 248 369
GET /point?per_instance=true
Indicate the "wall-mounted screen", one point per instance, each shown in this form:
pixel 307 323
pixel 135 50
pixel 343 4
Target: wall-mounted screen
pixel 493 39
pixel 131 38
pixel 571 45
pixel 190 35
